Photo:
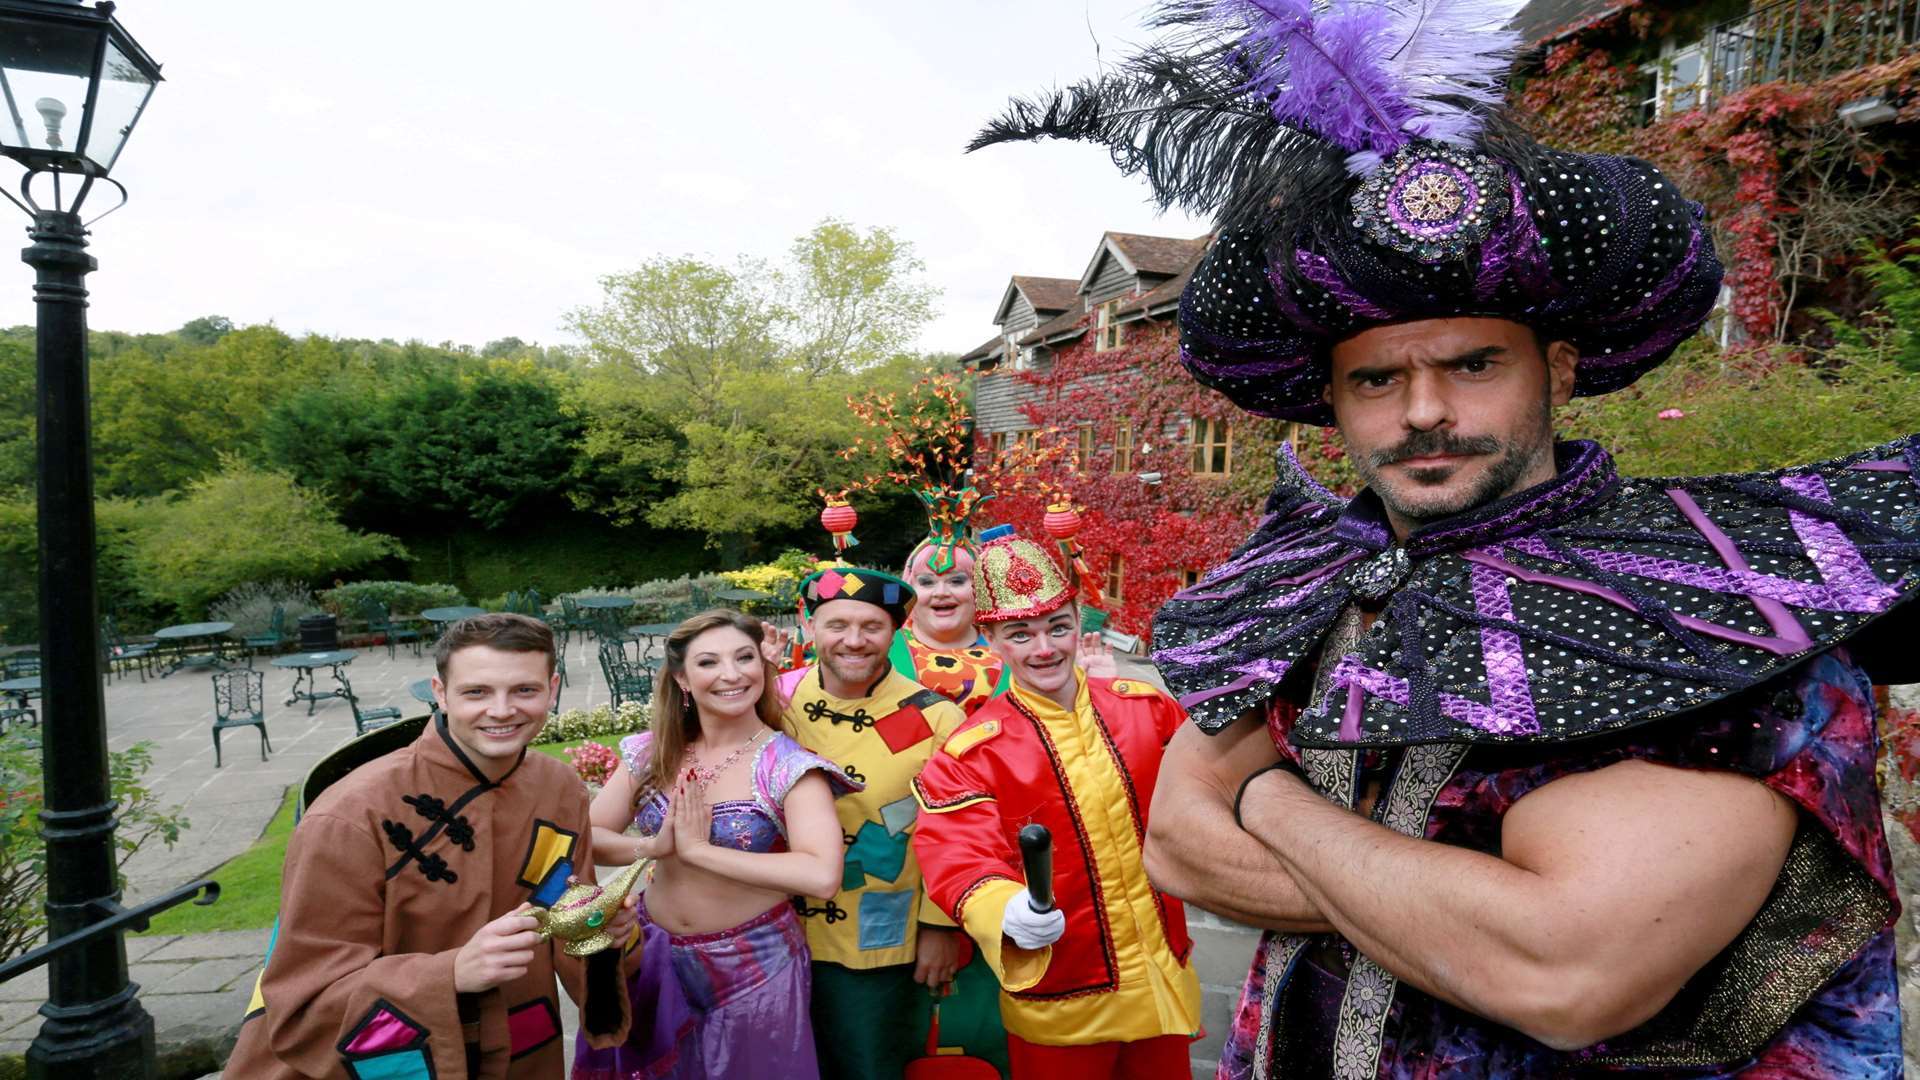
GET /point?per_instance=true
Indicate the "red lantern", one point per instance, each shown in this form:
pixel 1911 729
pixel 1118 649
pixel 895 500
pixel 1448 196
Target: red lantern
pixel 1063 524
pixel 1062 521
pixel 839 519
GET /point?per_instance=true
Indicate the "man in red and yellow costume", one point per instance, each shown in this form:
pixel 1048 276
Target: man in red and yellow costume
pixel 1101 985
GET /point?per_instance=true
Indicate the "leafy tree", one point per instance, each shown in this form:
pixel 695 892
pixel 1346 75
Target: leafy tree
pixel 18 407
pixel 741 375
pixel 243 524
pixel 205 330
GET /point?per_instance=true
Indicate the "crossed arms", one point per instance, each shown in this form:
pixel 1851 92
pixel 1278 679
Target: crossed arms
pixel 1611 888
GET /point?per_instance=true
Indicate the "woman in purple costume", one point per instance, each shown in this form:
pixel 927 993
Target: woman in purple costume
pixel 738 818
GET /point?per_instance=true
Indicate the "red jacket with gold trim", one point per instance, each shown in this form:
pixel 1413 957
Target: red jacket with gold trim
pixel 1120 971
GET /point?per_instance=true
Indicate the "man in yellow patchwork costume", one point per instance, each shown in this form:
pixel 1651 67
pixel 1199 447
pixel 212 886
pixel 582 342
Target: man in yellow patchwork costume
pixel 879 935
pixel 1101 985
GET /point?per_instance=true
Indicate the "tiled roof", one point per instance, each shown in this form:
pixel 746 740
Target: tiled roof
pixel 1049 293
pixel 1167 292
pixel 1060 326
pixel 1544 21
pixel 1163 255
pixel 983 351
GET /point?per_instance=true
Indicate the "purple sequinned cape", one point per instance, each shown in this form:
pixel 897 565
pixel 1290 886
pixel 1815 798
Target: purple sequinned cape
pixel 1607 611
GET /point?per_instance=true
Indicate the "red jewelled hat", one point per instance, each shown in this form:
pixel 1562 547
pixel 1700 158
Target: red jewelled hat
pixel 1014 578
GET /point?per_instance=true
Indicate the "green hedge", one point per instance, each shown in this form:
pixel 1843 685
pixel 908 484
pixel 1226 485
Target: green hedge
pixel 400 597
pixel 555 553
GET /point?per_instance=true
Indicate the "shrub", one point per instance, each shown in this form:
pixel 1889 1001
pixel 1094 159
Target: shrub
pixel 663 600
pixel 401 597
pixel 242 524
pixel 1760 410
pixel 23 854
pixel 780 579
pixel 250 607
pixel 594 762
pixel 576 724
pixel 116 523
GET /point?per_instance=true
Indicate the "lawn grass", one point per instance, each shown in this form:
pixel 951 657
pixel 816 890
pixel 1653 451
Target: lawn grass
pixel 559 749
pixel 249 885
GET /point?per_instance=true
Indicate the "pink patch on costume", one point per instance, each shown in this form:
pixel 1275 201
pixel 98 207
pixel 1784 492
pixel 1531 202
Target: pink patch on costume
pixel 531 1026
pixel 383 1031
pixel 829 585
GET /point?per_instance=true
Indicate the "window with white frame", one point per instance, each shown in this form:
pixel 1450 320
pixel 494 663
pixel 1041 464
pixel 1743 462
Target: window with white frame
pixel 1108 333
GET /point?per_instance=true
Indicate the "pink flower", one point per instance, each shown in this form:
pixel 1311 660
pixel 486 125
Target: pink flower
pixel 594 762
pixel 1671 414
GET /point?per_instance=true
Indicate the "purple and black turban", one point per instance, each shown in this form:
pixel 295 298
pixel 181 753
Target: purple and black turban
pixel 1362 174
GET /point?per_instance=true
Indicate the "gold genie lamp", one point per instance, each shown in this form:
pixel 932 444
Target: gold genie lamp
pixel 578 919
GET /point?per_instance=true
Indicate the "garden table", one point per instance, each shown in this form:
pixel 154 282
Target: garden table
pixel 180 639
pixel 303 664
pixel 605 602
pixel 441 616
pixel 743 596
pixel 22 689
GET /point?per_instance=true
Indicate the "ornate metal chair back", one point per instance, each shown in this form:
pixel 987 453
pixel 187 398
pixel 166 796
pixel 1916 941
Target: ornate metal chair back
pixel 239 697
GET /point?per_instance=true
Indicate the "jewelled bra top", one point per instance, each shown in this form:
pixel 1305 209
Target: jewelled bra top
pixel 757 824
pixel 1589 603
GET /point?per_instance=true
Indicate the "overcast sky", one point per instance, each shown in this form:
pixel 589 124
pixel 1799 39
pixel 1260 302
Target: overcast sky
pixel 468 171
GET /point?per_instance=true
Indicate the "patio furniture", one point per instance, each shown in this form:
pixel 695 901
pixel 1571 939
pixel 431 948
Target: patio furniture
pixel 364 720
pixel 626 679
pixel 275 636
pixel 651 636
pixel 302 665
pixel 240 700
pixel 119 651
pixel 605 615
pixel 441 616
pixel 16 700
pixel 379 620
pixel 421 691
pixel 567 620
pixel 181 640
pixel 742 597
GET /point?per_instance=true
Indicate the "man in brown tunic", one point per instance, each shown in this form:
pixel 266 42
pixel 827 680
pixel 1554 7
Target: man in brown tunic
pixel 404 948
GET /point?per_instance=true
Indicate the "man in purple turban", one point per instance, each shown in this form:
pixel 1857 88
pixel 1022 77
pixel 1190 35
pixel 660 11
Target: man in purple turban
pixel 1529 769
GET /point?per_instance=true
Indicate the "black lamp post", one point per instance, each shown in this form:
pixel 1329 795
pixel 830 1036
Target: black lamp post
pixel 72 85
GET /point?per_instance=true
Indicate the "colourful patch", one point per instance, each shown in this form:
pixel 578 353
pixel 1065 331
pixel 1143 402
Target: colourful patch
pixel 402 1065
pixel 967 738
pixel 550 844
pixel 890 594
pixel 904 728
pixel 554 884
pixel 386 1044
pixel 256 1002
pixel 829 585
pixel 898 815
pixel 874 852
pixel 851 584
pixel 884 917
pixel 532 1026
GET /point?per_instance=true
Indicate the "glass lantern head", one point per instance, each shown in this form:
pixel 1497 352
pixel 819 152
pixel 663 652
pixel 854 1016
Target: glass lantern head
pixel 72 85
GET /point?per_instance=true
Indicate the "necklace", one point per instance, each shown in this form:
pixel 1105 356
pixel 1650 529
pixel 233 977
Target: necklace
pixel 703 777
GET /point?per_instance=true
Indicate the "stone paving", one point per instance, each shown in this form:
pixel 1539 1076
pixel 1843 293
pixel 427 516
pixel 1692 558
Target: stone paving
pixel 228 807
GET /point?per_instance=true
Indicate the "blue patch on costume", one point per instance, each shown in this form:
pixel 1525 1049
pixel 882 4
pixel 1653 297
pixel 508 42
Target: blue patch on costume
pixel 883 918
pixel 553 884
pixel 403 1065
pixel 891 594
pixel 877 852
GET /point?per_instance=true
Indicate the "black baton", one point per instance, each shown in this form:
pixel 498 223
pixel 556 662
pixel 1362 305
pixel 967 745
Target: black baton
pixel 1036 855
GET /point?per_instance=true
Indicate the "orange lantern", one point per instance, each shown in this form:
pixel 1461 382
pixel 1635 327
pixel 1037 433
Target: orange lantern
pixel 1063 523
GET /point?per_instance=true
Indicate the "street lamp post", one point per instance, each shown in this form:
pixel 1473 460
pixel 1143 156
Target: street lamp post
pixel 72 85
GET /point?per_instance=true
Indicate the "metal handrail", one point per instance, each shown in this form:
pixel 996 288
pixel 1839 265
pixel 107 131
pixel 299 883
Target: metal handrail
pixel 114 919
pixel 1804 41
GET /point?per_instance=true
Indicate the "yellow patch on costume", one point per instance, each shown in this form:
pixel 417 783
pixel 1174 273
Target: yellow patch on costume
pixel 550 845
pixel 968 738
pixel 257 1003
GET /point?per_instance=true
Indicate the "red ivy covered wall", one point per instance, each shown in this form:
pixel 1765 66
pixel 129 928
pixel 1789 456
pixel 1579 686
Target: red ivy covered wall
pixel 1159 531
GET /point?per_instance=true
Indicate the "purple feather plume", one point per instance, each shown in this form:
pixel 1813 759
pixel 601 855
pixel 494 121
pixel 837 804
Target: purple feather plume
pixel 1369 75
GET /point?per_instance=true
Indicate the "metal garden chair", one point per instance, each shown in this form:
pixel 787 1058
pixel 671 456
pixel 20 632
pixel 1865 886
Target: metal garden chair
pixel 275 636
pixel 240 700
pixel 626 680
pixel 364 720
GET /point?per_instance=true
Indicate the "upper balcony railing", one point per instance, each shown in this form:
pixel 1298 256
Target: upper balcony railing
pixel 1792 41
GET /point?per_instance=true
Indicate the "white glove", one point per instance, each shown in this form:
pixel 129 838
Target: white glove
pixel 1028 928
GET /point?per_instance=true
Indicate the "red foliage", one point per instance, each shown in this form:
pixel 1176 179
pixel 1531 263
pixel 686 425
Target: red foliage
pixel 1159 531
